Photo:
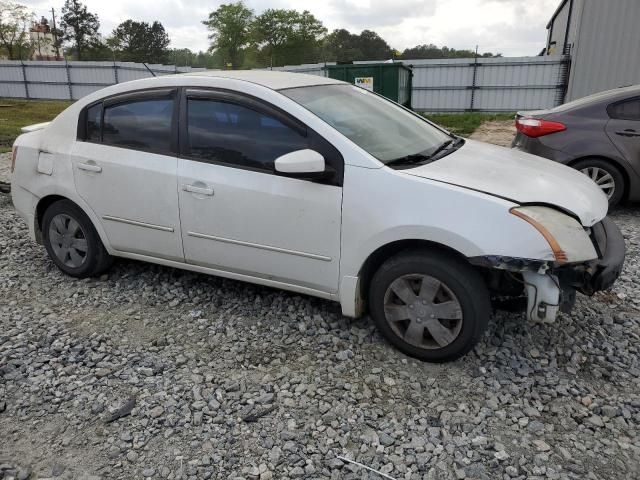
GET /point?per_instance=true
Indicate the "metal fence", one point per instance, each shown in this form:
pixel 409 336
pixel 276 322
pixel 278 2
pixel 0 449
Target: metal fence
pixel 480 85
pixel 72 80
pixel 455 85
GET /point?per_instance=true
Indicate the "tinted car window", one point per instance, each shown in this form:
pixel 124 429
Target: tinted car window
pixel 220 131
pixel 629 110
pixel 140 124
pixel 94 120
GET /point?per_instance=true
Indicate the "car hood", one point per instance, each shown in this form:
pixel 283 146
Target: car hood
pixel 519 177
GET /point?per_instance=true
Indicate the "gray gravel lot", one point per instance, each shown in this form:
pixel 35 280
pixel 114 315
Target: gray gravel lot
pixel 232 380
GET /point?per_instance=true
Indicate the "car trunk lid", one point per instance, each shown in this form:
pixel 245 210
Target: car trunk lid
pixel 34 127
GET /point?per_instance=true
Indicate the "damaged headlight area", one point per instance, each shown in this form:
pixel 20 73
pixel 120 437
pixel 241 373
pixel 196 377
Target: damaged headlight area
pixel 521 284
pixel 583 260
pixel 567 239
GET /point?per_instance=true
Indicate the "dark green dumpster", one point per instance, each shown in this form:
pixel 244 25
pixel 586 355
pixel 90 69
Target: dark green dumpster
pixel 391 80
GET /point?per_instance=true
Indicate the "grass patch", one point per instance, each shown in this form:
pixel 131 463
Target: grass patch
pixel 464 124
pixel 15 114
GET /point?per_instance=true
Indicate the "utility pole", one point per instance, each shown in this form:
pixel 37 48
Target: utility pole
pixel 55 34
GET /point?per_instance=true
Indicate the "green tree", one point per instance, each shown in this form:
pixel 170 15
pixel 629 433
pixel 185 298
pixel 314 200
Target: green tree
pixel 288 36
pixel 272 29
pixel 431 51
pixel 344 46
pixel 79 25
pixel 14 30
pixel 373 46
pixel 230 31
pixel 98 50
pixel 140 42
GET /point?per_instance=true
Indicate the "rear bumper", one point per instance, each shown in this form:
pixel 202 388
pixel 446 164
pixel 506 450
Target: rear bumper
pixel 536 146
pixel 24 202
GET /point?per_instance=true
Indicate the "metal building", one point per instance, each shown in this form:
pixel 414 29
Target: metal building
pixel 603 39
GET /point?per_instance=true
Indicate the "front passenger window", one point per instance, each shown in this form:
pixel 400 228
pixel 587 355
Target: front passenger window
pixel 220 131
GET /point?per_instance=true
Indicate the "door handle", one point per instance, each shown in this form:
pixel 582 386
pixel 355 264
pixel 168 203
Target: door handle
pixel 90 167
pixel 199 190
pixel 628 133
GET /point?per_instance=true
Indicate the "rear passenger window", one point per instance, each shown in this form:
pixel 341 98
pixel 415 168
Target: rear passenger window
pixel 94 122
pixel 220 131
pixel 139 124
pixel 628 110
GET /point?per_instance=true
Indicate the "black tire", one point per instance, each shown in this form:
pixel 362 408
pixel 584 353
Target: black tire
pixel 618 178
pixel 462 283
pixel 96 259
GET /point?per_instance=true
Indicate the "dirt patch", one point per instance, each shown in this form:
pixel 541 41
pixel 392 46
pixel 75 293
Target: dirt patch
pixel 498 132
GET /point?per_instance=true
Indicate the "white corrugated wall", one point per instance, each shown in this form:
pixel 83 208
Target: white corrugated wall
pixel 499 84
pixel 71 80
pixel 606 53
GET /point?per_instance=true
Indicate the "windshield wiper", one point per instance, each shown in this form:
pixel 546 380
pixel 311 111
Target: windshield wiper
pixel 409 159
pixel 420 157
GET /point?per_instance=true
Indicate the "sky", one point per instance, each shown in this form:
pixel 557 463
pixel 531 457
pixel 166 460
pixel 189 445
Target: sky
pixel 510 27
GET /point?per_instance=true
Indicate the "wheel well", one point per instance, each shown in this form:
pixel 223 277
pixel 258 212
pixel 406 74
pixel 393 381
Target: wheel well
pixel 378 257
pixel 43 204
pixel 615 163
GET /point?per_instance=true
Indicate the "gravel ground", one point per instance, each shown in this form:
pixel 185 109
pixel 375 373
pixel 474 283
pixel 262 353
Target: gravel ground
pixel 221 379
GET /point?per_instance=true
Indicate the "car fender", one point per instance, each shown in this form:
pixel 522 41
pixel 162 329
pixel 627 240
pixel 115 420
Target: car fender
pixel 384 206
pixel 71 195
pixel 59 182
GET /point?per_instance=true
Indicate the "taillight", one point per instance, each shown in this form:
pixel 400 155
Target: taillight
pixel 534 127
pixel 14 154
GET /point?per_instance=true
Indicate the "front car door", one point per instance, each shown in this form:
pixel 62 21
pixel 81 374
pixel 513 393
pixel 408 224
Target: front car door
pixel 237 214
pixel 623 129
pixel 125 166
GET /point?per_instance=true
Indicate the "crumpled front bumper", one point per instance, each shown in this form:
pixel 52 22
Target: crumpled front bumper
pixel 600 274
pixel 551 288
pixel 610 242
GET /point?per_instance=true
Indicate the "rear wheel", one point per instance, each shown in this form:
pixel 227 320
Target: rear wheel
pixel 72 242
pixel 606 175
pixel 431 306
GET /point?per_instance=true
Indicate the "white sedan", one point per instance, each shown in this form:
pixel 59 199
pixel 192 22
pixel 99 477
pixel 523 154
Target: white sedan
pixel 317 186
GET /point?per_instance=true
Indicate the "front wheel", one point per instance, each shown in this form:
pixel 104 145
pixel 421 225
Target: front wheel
pixel 431 306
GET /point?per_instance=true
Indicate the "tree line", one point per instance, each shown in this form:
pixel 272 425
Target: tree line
pixel 239 38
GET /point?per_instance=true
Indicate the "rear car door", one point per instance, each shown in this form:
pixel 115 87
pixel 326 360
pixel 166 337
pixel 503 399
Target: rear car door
pixel 623 129
pixel 125 166
pixel 237 214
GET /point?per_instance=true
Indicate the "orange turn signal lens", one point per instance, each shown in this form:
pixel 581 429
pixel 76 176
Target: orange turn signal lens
pixel 561 256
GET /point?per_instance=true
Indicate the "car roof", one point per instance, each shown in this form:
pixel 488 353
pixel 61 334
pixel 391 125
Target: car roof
pixel 598 100
pixel 606 96
pixel 275 80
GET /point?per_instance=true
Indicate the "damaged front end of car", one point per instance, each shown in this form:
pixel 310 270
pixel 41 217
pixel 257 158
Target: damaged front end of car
pixel 542 288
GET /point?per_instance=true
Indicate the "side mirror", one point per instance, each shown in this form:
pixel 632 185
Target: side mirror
pixel 305 163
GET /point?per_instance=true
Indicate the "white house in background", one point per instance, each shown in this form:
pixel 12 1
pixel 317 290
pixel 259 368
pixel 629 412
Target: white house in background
pixel 43 41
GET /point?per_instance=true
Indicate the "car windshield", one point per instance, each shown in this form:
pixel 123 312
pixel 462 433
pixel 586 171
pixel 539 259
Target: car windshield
pixel 382 128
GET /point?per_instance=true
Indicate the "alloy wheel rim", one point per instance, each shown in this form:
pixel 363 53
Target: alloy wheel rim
pixel 602 178
pixel 423 311
pixel 68 240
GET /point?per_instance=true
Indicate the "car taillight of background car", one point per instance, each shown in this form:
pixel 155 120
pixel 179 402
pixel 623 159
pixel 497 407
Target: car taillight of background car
pixel 536 127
